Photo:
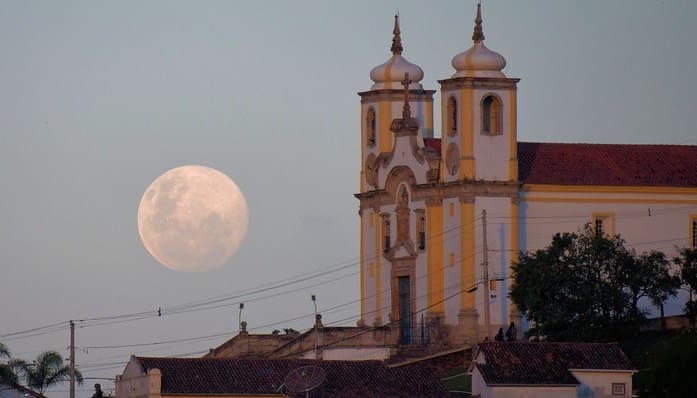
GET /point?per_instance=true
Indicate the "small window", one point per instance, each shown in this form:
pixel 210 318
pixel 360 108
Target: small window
pixel 599 226
pixel 693 231
pixel 492 285
pixel 371 269
pixel 452 259
pixel 421 228
pixel 618 389
pixel 604 224
pixel 370 127
pixel 492 116
pixel 386 243
pixel 451 209
pixel 452 116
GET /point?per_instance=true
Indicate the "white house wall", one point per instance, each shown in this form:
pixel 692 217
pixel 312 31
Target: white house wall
pixel 601 381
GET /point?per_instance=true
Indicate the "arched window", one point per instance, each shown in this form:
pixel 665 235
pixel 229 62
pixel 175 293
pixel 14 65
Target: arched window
pixel 492 116
pixel 452 116
pixel 370 126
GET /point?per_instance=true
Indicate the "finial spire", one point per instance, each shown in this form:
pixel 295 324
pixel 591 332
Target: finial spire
pixel 478 35
pixel 396 39
pixel 406 110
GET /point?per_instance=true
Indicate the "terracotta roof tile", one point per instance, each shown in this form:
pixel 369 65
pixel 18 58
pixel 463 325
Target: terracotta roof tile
pixel 607 164
pixel 603 164
pixel 263 376
pixel 524 363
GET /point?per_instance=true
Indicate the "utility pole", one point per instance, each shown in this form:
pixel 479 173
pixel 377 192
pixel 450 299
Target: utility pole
pixel 485 273
pixel 72 359
pixel 314 302
pixel 239 319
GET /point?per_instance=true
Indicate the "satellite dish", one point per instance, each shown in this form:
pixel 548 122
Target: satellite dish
pixel 304 379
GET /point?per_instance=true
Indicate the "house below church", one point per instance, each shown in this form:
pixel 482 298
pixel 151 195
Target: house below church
pixel 550 370
pixel 221 378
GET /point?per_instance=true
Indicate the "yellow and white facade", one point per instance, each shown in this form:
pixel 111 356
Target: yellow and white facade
pixel 423 199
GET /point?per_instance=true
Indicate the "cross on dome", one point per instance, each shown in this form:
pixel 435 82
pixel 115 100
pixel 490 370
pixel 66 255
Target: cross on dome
pixel 478 34
pixel 388 75
pixel 478 60
pixel 396 38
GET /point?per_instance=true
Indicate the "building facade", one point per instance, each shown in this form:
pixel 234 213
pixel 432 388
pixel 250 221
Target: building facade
pixel 442 218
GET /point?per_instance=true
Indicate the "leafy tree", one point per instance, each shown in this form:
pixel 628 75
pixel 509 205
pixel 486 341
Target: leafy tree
pixel 650 277
pixel 48 369
pixel 585 286
pixel 687 261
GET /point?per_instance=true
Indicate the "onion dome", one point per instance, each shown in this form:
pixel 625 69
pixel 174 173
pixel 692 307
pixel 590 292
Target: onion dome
pixel 478 60
pixel 390 74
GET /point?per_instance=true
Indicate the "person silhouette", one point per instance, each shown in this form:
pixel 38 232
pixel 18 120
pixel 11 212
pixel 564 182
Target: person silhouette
pixel 98 391
pixel 511 332
pixel 499 335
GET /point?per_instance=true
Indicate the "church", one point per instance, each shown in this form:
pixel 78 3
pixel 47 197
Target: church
pixel 442 216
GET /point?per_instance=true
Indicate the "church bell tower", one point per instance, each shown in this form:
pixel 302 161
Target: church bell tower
pixel 479 138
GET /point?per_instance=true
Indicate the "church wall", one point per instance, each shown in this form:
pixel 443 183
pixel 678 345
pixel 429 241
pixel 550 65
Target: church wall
pixel 447 137
pixel 385 112
pixel 492 152
pixel 646 221
pixel 453 258
pixel 369 263
pixel 420 271
pixel 403 157
pixel 386 270
pixel 499 258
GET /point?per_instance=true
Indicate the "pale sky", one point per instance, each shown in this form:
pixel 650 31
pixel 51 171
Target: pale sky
pixel 97 99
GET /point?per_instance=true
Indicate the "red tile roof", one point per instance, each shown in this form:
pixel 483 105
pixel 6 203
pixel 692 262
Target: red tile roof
pixel 203 376
pixel 607 164
pixel 603 164
pixel 522 363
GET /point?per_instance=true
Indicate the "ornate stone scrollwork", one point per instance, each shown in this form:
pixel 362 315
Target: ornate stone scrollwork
pixel 452 159
pixel 371 170
pixel 370 127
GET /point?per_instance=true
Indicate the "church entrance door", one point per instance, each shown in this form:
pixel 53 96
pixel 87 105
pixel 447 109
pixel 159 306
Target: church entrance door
pixel 405 326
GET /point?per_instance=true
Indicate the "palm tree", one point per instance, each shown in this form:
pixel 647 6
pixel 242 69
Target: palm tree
pixel 7 373
pixel 4 352
pixel 48 369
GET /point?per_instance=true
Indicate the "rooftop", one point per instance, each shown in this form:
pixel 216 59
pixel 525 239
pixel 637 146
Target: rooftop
pixel 522 363
pixel 264 376
pixel 607 164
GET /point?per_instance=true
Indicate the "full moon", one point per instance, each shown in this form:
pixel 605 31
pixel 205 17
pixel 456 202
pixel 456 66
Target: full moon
pixel 192 218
